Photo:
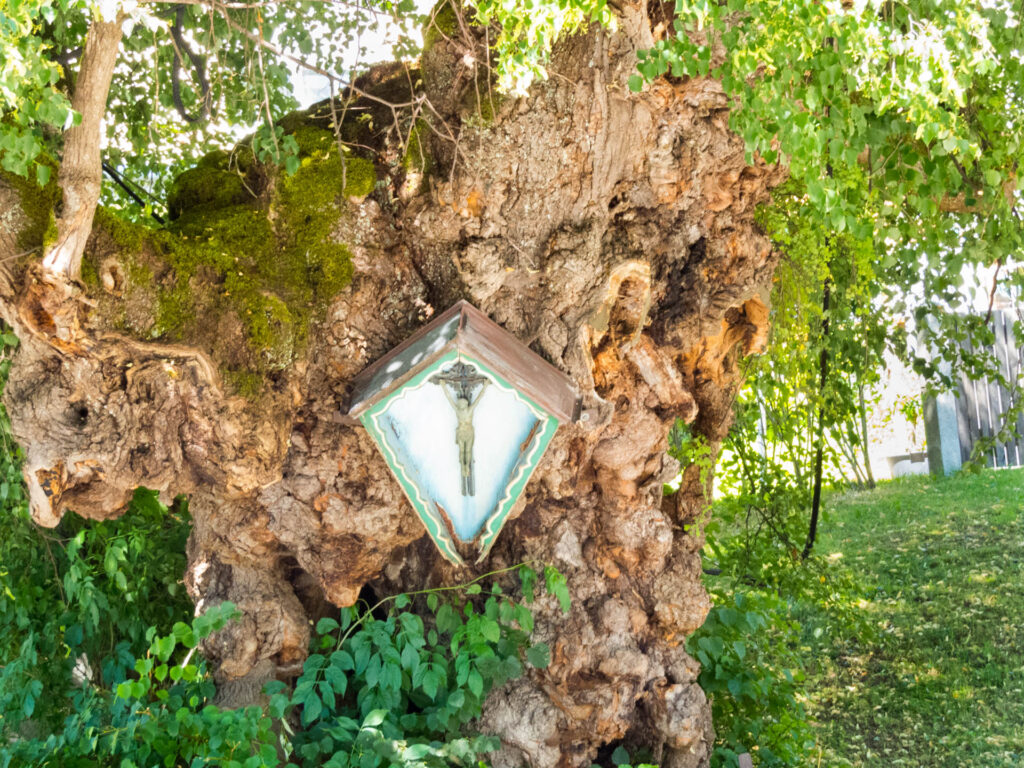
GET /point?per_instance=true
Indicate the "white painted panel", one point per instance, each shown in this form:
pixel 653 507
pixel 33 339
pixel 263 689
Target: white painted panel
pixel 420 424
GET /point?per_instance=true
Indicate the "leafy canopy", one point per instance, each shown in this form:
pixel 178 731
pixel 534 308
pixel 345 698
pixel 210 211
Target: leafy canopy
pixel 191 77
pixel 900 123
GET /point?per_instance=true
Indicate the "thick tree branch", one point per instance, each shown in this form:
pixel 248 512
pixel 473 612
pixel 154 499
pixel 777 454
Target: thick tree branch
pixel 81 169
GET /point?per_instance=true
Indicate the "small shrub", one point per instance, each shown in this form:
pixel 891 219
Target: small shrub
pixel 392 687
pixel 387 686
pixel 748 649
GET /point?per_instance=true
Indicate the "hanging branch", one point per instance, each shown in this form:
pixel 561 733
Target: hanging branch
pixel 812 531
pixel 198 67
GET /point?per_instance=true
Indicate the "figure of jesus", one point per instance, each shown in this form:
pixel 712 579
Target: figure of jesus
pixel 464 405
pixel 458 383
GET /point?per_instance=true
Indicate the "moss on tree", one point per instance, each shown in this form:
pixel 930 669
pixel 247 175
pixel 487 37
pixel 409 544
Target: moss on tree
pixel 417 156
pixel 207 187
pixel 224 263
pixel 444 23
pixel 38 204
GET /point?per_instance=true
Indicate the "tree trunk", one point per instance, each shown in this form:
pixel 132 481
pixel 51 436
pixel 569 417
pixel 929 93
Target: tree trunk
pixel 862 411
pixel 81 168
pixel 612 232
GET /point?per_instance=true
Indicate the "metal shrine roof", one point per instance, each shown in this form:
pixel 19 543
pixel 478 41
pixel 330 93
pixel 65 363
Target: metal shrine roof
pixel 466 329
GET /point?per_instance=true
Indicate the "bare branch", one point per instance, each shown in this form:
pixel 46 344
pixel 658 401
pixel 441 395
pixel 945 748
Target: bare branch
pixel 260 42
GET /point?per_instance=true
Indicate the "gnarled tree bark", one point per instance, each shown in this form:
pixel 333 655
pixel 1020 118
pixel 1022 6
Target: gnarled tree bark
pixel 612 232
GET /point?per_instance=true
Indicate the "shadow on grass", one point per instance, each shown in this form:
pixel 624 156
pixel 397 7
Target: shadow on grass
pixel 939 681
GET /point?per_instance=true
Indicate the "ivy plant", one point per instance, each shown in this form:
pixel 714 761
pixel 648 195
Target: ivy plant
pixel 389 686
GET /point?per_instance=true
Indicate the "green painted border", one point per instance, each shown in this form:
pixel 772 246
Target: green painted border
pixel 521 473
pixel 514 490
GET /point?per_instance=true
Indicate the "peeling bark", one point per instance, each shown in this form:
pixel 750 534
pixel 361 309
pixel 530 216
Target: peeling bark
pixel 612 232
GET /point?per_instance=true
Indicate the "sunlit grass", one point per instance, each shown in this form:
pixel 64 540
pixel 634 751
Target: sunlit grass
pixel 938 680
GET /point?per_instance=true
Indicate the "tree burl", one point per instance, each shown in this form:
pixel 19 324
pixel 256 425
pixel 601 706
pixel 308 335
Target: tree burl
pixel 611 232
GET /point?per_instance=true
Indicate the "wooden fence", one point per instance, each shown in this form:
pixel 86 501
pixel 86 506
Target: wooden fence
pixel 981 406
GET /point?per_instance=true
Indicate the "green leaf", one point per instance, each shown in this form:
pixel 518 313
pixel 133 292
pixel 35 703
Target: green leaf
pixel 735 686
pixel 342 660
pixel 417 752
pixel 337 679
pixel 475 683
pixel 528 579
pixel 431 683
pixel 557 586
pixel 311 709
pixel 539 655
pixel 73 635
pixel 313 662
pixel 728 616
pixel 447 620
pixel 490 629
pixel 620 756
pixel 326 625
pixel 740 648
pixel 277 705
pixel 375 718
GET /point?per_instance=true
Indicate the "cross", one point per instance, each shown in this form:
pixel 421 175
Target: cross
pixel 460 379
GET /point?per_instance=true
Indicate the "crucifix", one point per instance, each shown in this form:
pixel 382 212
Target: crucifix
pixel 458 383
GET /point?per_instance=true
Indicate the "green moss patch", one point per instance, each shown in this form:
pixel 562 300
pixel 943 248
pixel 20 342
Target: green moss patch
pixel 482 103
pixel 417 157
pixel 324 169
pixel 38 204
pixel 206 187
pixel 313 141
pixel 226 261
pixel 128 236
pixel 228 278
pixel 309 212
pixel 443 24
pixel 114 236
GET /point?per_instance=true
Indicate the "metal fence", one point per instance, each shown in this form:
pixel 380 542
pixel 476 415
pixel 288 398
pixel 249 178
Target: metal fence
pixel 981 406
pixel 954 424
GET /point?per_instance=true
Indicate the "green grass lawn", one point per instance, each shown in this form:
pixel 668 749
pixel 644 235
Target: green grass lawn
pixel 937 679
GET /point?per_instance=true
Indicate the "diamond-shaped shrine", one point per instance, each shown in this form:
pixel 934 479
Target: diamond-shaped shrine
pixel 462 412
